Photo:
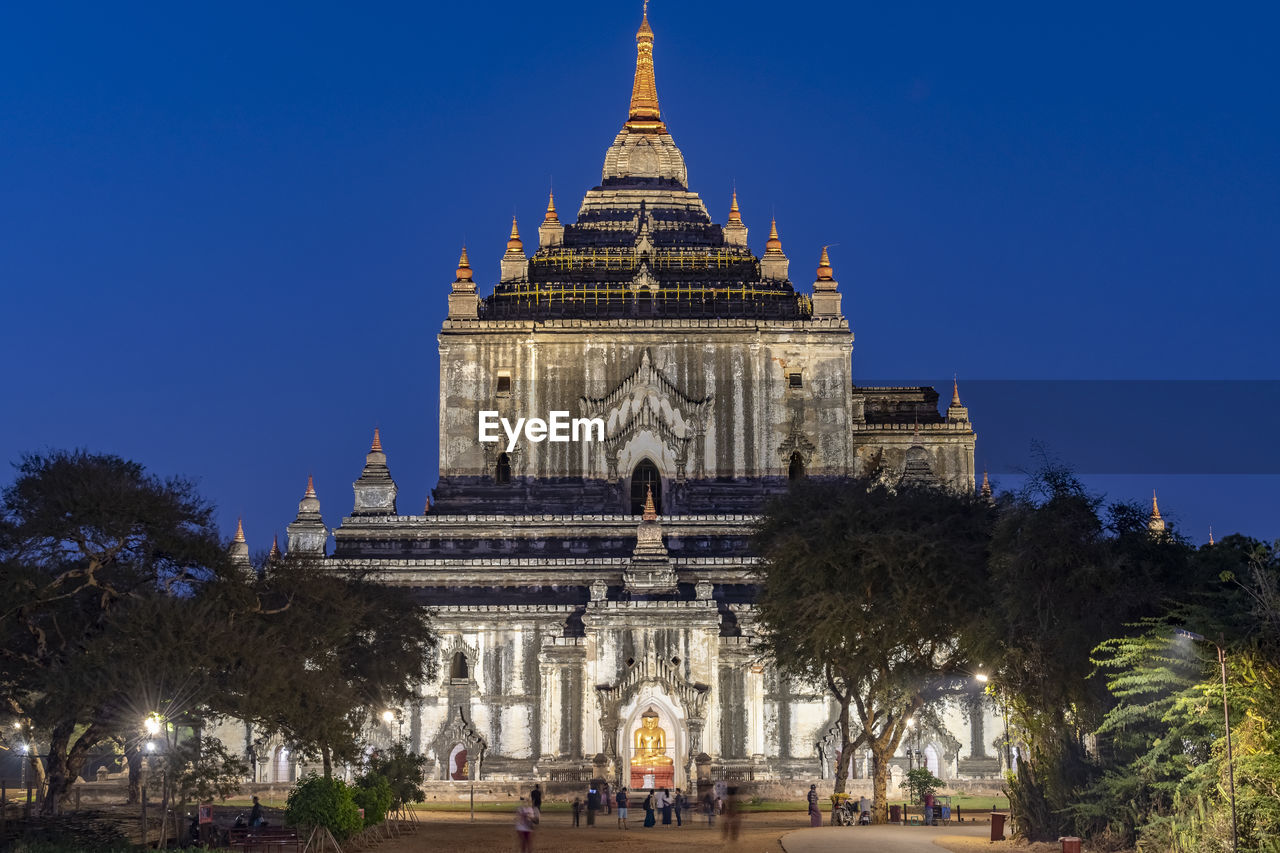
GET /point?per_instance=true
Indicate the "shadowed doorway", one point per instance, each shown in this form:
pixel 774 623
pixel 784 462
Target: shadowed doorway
pixel 645 477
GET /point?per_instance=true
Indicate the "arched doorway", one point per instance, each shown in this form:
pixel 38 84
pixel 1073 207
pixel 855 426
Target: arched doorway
pixel 458 667
pixel 282 767
pixel 458 767
pixel 502 471
pixel 644 477
pixel 795 471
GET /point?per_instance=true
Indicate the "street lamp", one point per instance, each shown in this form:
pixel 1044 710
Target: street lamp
pixel 152 724
pixel 398 716
pixel 1226 717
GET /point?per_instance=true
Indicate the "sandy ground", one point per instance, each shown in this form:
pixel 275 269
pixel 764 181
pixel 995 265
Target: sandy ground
pixel 448 831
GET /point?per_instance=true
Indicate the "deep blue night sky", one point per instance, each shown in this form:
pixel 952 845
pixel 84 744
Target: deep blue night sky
pixel 227 230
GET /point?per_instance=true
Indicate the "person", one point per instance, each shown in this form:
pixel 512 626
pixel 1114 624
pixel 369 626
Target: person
pixel 535 796
pixel 622 809
pixel 864 811
pixel 664 803
pixel 815 815
pixel 648 810
pixel 193 831
pixel 709 807
pixel 732 820
pixel 928 809
pixel 255 815
pixel 526 820
pixel 577 809
pixel 679 804
pixel 606 798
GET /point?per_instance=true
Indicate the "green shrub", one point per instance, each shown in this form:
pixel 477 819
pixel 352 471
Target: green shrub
pixel 318 801
pixel 372 792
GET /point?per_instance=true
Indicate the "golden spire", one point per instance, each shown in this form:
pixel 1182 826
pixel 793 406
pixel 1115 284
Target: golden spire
pixel 311 488
pixel 551 209
pixel 464 266
pixel 824 266
pixel 955 391
pixel 239 530
pixel 426 509
pixel 774 243
pixel 1155 507
pixel 650 511
pixel 986 484
pixel 274 553
pixel 377 441
pixel 645 115
pixel 735 215
pixel 1210 534
pixel 514 243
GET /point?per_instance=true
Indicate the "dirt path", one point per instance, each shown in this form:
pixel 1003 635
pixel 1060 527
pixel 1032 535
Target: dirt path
pixel 447 831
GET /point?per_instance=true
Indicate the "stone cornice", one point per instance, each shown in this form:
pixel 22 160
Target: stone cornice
pixel 633 325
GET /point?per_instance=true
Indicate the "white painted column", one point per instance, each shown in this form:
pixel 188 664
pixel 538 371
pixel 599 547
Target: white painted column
pixel 551 709
pixel 755 710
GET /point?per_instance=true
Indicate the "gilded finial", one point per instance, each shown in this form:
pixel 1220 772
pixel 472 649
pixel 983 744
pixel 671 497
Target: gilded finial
pixel 311 488
pixel 464 266
pixel 514 243
pixel 1155 524
pixel 239 530
pixel 551 209
pixel 645 115
pixel 774 243
pixel 1210 534
pixel 650 511
pixel 377 440
pixel 426 509
pixel 274 553
pixel 825 272
pixel 735 215
pixel 986 484
pixel 955 391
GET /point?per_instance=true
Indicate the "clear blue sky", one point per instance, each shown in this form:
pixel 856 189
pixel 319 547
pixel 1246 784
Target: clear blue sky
pixel 227 230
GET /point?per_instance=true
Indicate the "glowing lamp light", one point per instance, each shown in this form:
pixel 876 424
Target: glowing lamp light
pixel 388 716
pixel 151 746
pixel 153 724
pixel 982 676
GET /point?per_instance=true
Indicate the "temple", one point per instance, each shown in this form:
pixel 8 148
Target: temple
pixel 595 598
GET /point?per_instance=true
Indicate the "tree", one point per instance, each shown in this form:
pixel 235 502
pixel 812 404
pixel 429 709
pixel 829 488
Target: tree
pixel 85 540
pixel 1164 778
pixel 878 594
pixel 404 771
pixel 331 646
pixel 1066 574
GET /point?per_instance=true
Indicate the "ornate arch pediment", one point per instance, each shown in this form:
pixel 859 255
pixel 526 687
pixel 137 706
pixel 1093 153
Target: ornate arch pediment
pixel 796 441
pixel 691 695
pixel 647 401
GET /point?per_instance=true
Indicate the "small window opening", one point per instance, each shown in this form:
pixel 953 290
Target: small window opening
pixel 795 471
pixel 795 380
pixel 504 383
pixel 458 667
pixel 502 473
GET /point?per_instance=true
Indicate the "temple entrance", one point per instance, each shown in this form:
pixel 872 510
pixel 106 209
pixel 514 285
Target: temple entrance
pixel 643 478
pixel 652 765
pixel 458 767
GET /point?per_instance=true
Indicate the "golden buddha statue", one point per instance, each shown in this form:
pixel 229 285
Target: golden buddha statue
pixel 650 742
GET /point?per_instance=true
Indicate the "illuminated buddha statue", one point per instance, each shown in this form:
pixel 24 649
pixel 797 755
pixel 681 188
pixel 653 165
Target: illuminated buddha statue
pixel 651 741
